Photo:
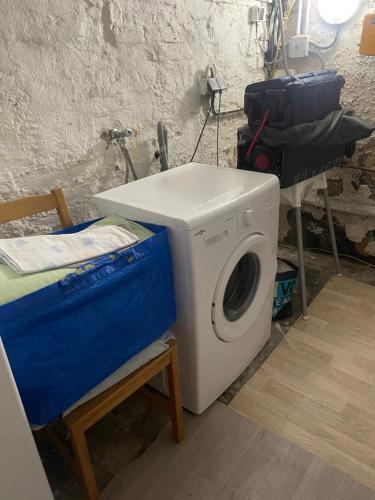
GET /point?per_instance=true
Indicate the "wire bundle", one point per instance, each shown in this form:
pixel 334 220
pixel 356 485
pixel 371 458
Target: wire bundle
pixel 272 56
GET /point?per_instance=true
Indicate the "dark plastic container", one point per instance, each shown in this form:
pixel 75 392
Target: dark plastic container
pixel 292 100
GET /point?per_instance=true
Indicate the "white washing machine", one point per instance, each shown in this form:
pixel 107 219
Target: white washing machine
pixel 223 227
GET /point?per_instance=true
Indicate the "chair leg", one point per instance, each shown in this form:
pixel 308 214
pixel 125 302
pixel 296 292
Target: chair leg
pixel 82 456
pixel 175 397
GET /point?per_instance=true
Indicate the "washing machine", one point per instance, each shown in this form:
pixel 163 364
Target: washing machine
pixel 223 227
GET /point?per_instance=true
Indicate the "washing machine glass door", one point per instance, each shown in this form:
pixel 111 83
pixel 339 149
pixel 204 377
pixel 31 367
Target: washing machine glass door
pixel 243 288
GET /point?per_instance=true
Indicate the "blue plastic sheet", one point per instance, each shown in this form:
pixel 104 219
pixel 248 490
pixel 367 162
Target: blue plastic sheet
pixel 66 338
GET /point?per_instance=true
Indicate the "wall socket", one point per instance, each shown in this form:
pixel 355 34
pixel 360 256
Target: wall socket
pixel 256 14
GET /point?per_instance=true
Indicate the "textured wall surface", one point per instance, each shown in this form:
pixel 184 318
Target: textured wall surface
pixel 352 189
pixel 70 69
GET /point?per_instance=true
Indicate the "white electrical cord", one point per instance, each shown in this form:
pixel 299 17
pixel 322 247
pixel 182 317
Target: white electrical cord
pixel 307 18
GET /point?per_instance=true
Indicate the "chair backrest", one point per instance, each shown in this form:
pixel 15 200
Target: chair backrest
pixel 31 205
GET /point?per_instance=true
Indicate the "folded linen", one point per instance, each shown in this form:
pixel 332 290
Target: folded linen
pixel 33 254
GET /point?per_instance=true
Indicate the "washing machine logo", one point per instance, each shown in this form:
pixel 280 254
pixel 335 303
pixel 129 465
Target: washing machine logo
pixel 200 232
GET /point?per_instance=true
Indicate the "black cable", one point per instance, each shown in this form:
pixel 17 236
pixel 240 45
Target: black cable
pixel 267 64
pixel 218 130
pixel 330 45
pixel 257 39
pixel 273 33
pixel 223 113
pixel 201 134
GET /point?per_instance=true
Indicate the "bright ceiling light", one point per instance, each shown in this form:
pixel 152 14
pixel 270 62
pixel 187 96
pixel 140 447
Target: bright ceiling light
pixel 337 11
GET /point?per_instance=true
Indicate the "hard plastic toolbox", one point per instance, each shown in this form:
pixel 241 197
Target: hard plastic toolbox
pixel 291 100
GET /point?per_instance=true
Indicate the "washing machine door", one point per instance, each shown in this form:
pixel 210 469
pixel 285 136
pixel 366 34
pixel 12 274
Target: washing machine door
pixel 243 288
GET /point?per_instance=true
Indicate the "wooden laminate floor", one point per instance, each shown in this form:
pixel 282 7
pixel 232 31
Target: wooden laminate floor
pixel 317 388
pixel 227 457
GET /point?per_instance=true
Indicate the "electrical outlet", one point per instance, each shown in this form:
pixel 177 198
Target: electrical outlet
pixel 217 84
pixel 299 46
pixel 211 85
pixel 256 14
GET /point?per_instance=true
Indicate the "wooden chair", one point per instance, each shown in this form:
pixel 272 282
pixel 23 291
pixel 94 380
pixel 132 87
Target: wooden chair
pixel 32 205
pixel 86 415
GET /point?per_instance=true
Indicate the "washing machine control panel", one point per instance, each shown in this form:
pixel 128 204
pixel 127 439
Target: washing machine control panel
pixel 258 216
pixel 246 218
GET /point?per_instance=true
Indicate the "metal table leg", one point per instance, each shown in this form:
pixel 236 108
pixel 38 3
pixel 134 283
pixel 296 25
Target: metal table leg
pixel 332 232
pixel 301 261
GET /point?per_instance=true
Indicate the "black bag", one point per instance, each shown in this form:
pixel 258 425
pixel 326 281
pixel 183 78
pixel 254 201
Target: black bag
pixel 292 100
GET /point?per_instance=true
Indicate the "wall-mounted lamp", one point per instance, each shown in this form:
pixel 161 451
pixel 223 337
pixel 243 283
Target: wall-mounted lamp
pixel 337 11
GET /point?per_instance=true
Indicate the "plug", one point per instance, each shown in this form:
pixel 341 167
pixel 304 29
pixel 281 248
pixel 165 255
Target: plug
pixel 211 85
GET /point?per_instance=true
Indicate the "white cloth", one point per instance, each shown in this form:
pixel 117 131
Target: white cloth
pixel 33 254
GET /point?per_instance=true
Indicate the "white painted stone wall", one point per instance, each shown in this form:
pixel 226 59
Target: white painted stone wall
pixel 70 69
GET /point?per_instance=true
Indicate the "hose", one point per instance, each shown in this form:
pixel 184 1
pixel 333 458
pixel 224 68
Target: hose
pixel 163 146
pixel 126 155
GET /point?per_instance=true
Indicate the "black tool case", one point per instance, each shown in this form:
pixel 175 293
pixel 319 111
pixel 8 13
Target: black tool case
pixel 292 100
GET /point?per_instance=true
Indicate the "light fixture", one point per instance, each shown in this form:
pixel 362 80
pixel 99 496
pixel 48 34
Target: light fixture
pixel 337 11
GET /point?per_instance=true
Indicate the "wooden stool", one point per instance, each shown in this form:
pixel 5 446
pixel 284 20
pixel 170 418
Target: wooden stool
pixel 85 416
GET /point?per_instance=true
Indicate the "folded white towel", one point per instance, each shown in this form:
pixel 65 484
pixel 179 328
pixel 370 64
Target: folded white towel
pixel 33 254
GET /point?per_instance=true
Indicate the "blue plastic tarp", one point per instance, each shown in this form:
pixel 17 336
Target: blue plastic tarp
pixel 66 338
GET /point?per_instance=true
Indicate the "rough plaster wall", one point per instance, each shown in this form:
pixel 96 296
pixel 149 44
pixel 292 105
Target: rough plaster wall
pixel 352 189
pixel 70 69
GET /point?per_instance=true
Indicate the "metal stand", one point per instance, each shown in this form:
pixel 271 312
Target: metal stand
pixel 294 196
pixel 301 262
pixel 332 232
